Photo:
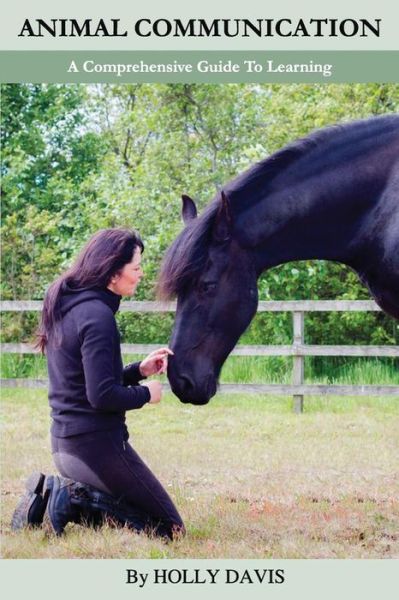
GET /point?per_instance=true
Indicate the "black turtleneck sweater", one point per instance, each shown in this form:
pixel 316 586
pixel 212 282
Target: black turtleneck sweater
pixel 89 388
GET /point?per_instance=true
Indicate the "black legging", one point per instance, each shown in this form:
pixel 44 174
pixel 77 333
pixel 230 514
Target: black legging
pixel 104 460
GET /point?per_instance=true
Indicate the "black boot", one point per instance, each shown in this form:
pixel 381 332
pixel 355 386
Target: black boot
pixel 32 505
pixel 61 508
pixel 73 502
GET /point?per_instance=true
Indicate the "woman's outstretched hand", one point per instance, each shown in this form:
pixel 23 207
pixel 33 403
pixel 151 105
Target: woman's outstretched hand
pixel 155 363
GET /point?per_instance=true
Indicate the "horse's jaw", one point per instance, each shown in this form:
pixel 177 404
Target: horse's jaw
pixel 196 402
pixel 198 398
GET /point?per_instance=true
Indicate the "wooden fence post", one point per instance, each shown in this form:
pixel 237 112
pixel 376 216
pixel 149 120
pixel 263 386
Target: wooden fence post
pixel 299 361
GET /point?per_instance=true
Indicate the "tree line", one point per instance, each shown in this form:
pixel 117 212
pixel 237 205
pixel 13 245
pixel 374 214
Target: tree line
pixel 78 158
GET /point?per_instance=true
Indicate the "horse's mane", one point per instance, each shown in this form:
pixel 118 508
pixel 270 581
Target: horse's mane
pixel 186 256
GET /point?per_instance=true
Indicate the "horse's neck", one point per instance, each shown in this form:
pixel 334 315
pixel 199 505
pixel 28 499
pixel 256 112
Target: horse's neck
pixel 316 216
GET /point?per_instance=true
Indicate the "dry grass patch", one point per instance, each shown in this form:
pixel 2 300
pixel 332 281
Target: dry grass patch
pixel 251 479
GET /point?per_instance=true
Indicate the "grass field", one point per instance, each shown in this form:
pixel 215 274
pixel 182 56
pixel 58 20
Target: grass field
pixel 251 479
pixel 253 369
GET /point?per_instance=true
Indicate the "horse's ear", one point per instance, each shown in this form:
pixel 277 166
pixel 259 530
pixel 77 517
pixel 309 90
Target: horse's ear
pixel 223 222
pixel 188 210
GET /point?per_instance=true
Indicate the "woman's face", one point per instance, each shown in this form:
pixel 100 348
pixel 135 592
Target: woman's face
pixel 125 282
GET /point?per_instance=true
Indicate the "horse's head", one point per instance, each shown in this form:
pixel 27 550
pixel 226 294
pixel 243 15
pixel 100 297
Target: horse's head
pixel 214 280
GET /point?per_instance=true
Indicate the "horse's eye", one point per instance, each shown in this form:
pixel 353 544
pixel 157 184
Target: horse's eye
pixel 208 286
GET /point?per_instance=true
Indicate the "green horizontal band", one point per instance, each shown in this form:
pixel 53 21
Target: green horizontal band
pixel 199 67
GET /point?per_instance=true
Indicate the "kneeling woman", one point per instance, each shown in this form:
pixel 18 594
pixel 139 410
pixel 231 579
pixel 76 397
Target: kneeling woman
pixel 89 393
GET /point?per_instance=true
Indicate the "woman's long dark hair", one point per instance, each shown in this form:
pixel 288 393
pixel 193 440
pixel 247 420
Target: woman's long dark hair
pixel 104 255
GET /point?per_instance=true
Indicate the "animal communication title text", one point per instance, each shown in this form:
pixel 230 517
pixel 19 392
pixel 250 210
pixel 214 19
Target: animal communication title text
pixel 202 28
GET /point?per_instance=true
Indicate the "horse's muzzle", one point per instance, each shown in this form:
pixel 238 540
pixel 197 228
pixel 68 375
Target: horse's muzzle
pixel 190 392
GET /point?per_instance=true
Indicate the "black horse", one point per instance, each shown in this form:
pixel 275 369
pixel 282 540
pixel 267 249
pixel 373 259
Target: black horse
pixel 333 195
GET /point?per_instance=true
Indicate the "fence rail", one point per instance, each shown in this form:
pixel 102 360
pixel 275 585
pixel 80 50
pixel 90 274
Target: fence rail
pixel 263 306
pixel 298 349
pixel 253 350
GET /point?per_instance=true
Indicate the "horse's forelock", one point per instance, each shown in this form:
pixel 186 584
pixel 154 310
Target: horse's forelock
pixel 186 256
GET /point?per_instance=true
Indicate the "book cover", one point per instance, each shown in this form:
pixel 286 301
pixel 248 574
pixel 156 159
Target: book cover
pixel 111 114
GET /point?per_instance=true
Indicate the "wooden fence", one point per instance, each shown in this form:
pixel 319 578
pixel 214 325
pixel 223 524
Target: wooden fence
pixel 298 349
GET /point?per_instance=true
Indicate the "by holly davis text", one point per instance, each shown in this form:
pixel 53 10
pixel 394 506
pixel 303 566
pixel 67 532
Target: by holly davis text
pixel 204 576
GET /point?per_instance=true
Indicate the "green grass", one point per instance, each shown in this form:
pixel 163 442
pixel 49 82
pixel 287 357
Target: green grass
pixel 354 371
pixel 254 369
pixel 251 479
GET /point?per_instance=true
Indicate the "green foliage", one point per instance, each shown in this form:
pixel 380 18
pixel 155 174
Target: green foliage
pixel 80 158
pixel 150 328
pixel 47 157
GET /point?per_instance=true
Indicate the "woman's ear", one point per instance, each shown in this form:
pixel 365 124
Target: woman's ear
pixel 114 278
